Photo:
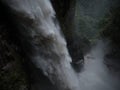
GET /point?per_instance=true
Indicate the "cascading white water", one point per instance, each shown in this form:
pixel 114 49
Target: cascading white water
pixel 35 20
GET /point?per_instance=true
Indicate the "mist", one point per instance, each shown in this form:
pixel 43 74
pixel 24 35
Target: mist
pixel 46 51
pixel 95 75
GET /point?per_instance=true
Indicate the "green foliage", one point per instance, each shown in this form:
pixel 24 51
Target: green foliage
pixel 111 31
pixel 88 27
pixel 112 28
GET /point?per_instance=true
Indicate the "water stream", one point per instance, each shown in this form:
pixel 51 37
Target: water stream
pixel 41 34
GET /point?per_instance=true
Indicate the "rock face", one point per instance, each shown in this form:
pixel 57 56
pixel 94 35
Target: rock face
pixel 42 45
pixel 112 33
pixel 12 77
pixel 77 44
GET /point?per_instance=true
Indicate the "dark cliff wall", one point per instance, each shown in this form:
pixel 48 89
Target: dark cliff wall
pixel 111 32
pixel 65 11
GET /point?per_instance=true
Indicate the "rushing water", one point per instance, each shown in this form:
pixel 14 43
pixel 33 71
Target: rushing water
pixel 42 41
pixel 38 25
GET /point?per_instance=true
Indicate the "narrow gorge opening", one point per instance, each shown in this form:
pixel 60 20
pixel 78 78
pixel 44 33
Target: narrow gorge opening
pixel 59 45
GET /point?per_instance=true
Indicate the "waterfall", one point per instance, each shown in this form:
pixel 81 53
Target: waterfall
pixel 44 45
pixel 43 42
